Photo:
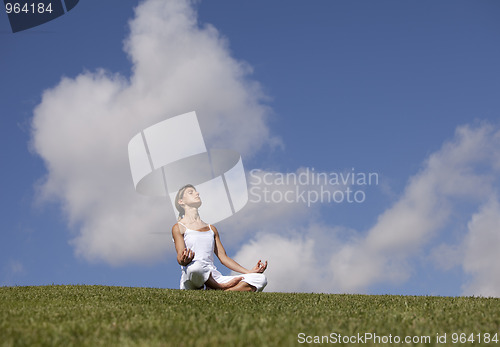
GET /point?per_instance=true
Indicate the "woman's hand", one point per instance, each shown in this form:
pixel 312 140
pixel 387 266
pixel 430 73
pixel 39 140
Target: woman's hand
pixel 186 256
pixel 260 267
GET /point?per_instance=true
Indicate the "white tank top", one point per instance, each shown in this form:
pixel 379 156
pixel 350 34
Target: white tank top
pixel 201 242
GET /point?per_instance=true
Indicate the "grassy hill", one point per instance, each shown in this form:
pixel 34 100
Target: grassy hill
pixel 121 316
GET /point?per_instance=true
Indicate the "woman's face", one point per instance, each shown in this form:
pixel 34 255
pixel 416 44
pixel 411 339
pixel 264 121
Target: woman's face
pixel 191 197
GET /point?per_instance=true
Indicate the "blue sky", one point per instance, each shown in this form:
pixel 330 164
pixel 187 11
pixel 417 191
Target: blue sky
pixel 406 90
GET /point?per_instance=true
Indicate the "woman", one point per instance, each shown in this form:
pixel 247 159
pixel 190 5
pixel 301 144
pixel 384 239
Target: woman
pixel 196 242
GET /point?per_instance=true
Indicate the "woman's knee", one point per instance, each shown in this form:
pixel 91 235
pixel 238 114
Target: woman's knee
pixel 260 281
pixel 197 274
pixel 263 279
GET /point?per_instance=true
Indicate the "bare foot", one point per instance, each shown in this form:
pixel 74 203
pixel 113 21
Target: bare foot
pixel 231 283
pixel 213 284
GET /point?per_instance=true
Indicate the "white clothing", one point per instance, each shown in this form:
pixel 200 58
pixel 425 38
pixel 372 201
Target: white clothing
pixel 196 273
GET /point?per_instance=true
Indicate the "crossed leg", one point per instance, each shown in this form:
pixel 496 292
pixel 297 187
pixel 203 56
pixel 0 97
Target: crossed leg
pixel 197 275
pixel 242 287
pixel 236 284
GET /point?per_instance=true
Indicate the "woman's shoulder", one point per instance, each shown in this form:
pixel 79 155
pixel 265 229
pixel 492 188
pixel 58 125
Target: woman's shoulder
pixel 179 227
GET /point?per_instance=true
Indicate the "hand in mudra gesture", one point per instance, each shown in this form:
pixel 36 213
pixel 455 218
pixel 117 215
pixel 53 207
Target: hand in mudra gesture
pixel 187 256
pixel 260 267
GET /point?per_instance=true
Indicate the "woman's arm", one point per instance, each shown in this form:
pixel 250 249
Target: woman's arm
pixel 220 252
pixel 184 255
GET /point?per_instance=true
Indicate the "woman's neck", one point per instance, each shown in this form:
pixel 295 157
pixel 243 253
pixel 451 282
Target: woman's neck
pixel 192 216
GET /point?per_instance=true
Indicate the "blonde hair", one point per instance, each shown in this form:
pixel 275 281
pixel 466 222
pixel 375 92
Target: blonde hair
pixel 179 196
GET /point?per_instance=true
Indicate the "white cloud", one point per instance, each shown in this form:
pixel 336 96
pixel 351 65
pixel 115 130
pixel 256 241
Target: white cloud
pixel 296 259
pixel 82 127
pixel 291 261
pixel 179 66
pixel 482 259
pixel 462 172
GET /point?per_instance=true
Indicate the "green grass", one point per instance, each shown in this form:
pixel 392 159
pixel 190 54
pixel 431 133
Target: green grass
pixel 120 316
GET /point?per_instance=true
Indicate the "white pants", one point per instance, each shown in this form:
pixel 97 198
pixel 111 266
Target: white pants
pixel 197 273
